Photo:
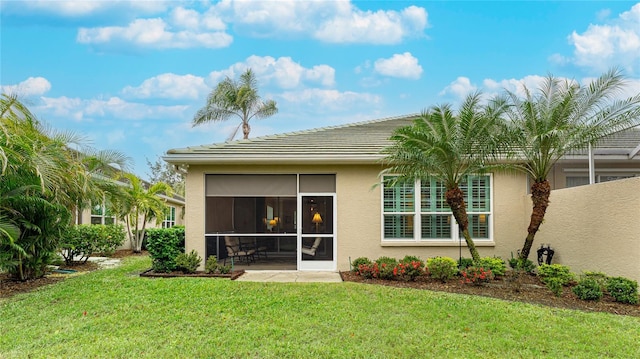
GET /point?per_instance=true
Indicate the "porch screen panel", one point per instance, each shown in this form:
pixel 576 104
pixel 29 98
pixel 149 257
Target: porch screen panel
pixel 317 183
pixel 251 185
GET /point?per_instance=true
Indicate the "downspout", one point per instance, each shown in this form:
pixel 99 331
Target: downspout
pixel 592 172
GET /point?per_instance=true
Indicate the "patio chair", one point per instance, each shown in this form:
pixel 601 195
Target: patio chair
pixel 235 250
pixel 311 250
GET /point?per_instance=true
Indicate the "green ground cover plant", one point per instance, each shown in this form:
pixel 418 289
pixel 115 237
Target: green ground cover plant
pixel 114 313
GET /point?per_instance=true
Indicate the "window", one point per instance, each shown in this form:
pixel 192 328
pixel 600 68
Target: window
pixel 424 215
pixel 101 214
pixel 170 218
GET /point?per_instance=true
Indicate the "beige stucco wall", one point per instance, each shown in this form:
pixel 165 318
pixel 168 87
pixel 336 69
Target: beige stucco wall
pixel 595 228
pixel 358 207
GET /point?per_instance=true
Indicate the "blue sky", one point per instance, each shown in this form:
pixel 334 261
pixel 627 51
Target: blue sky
pixel 130 75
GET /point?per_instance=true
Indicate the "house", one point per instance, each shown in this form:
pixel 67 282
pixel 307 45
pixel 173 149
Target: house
pixel 321 188
pixel 100 213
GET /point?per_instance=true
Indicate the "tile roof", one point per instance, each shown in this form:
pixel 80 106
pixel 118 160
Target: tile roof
pixel 359 142
pixel 351 143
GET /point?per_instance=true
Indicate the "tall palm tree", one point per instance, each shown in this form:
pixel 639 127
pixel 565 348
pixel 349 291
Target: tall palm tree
pixel 558 117
pixel 136 205
pixel 241 99
pixel 447 146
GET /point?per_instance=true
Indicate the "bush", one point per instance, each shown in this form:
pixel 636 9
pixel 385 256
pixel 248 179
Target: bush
pixel 358 261
pixel 81 241
pixel 600 277
pixel 623 290
pixel 408 271
pixel 561 273
pixel 409 259
pixel 213 267
pixel 465 263
pixel 588 289
pixel 555 285
pixel 164 245
pixel 495 264
pixel 442 268
pixel 524 265
pixel 386 265
pixel 188 263
pixel 476 275
pixel 555 276
pixel 369 271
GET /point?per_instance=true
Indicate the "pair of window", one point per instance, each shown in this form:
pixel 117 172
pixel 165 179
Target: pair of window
pixel 418 210
pixel 101 214
pixel 170 218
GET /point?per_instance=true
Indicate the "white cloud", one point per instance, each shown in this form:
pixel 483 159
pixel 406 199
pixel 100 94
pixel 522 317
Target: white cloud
pixel 532 82
pixel 170 86
pixel 331 99
pixel 156 33
pixel 87 110
pixel 399 65
pixel 615 44
pixel 327 21
pixel 283 71
pixel 381 27
pixel 33 86
pixel 460 88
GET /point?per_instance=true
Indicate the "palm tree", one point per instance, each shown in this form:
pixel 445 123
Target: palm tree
pixel 447 147
pixel 559 117
pixel 231 98
pixel 137 205
pixel 42 180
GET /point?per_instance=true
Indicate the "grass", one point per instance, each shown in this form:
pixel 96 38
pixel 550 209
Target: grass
pixel 128 316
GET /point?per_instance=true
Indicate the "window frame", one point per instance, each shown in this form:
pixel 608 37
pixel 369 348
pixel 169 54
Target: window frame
pixel 420 211
pixel 170 218
pixel 103 215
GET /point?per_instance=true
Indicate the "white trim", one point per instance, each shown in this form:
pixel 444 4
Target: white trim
pixel 417 239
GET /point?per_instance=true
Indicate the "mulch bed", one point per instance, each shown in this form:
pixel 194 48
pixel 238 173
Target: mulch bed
pixel 149 273
pixel 526 288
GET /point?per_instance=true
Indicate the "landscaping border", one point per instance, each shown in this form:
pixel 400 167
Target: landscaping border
pixel 149 273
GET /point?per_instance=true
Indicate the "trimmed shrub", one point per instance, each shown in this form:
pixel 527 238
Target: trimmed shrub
pixel 188 263
pixel 476 275
pixel 164 245
pixel 358 261
pixel 408 271
pixel 600 277
pixel 79 242
pixel 623 290
pixel 213 267
pixel 369 271
pixel 442 268
pixel 409 259
pixel 588 289
pixel 549 271
pixel 386 265
pixel 495 264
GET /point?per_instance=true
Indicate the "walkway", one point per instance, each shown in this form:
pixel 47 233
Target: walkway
pixel 289 276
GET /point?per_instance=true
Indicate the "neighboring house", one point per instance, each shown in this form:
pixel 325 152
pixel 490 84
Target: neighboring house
pixel 321 188
pixel 99 213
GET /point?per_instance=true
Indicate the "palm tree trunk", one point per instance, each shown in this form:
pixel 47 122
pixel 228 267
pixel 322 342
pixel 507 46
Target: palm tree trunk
pixel 455 200
pixel 246 129
pixel 540 192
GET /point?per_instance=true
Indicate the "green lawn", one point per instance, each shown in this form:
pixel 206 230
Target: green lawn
pixel 128 316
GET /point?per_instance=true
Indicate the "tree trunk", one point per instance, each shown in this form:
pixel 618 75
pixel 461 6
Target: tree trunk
pixel 246 129
pixel 540 192
pixel 455 200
